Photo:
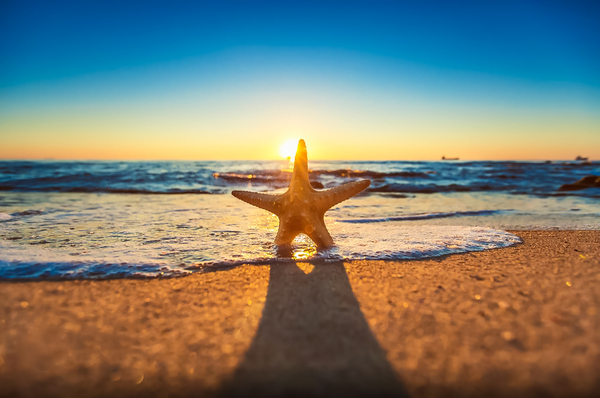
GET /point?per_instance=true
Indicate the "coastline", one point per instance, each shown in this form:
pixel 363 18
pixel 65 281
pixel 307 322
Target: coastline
pixel 522 320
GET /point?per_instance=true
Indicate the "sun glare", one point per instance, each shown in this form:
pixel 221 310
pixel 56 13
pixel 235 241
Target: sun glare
pixel 288 149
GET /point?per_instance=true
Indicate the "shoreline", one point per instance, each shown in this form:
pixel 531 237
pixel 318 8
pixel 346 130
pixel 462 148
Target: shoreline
pixel 521 320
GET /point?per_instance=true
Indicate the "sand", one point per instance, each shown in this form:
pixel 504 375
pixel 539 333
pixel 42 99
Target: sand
pixel 523 320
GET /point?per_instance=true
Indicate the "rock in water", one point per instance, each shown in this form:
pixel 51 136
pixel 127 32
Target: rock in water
pixel 585 182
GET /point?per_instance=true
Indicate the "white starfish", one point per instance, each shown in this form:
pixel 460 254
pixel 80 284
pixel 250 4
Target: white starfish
pixel 301 208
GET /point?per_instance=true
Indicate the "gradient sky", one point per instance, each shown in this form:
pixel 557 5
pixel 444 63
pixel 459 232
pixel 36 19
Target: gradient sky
pixel 356 80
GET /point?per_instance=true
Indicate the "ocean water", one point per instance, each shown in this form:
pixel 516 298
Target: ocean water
pixel 161 219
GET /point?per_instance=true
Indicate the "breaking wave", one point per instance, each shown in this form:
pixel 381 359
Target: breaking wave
pixel 120 260
pixel 530 178
pixel 426 216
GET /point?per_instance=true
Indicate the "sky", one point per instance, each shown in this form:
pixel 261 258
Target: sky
pixel 369 80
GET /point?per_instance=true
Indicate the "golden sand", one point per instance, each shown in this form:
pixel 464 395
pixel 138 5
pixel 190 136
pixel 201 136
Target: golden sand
pixel 517 321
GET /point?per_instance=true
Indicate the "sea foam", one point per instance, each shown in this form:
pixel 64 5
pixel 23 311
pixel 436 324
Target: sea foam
pixel 389 241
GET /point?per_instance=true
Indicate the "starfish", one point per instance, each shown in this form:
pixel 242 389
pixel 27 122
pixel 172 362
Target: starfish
pixel 301 208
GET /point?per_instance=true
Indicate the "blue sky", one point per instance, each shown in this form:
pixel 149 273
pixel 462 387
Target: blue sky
pixel 340 70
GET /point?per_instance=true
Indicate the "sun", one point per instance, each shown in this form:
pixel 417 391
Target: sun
pixel 288 149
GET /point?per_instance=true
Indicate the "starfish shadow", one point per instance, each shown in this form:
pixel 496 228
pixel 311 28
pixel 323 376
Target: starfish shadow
pixel 313 340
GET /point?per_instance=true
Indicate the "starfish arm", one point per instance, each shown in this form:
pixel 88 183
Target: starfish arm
pixel 331 197
pixel 319 234
pixel 285 234
pixel 300 180
pixel 263 200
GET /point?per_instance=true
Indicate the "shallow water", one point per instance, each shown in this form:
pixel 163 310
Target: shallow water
pixel 103 236
pixel 46 232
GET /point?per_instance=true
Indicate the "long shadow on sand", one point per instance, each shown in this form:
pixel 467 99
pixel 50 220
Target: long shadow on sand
pixel 313 340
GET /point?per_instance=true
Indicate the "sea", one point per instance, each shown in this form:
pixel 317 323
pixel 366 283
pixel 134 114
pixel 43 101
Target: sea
pixel 160 219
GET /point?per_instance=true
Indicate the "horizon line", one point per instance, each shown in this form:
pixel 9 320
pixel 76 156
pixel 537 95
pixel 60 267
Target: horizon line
pixel 284 160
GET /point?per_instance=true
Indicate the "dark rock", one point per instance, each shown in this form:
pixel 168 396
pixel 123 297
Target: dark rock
pixel 27 213
pixel 585 182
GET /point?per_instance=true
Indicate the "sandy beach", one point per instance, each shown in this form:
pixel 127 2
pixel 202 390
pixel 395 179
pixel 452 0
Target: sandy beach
pixel 299 199
pixel 524 320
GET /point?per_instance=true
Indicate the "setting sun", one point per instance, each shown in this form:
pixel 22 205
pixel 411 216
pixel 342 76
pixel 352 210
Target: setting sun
pixel 288 149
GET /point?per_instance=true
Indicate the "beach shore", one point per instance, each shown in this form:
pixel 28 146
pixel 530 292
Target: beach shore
pixel 524 320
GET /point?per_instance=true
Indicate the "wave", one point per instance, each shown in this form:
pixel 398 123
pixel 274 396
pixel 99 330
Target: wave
pixel 270 175
pixel 529 178
pixel 172 191
pixel 372 174
pixel 426 216
pixel 281 178
pixel 369 242
pixel 433 188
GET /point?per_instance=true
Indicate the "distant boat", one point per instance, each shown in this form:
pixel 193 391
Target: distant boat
pixel 445 158
pixel 581 158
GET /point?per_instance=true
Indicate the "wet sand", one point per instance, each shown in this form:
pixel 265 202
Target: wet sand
pixel 518 321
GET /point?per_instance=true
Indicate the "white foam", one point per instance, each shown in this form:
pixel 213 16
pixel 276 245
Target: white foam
pixel 394 241
pixel 381 241
pixel 105 236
